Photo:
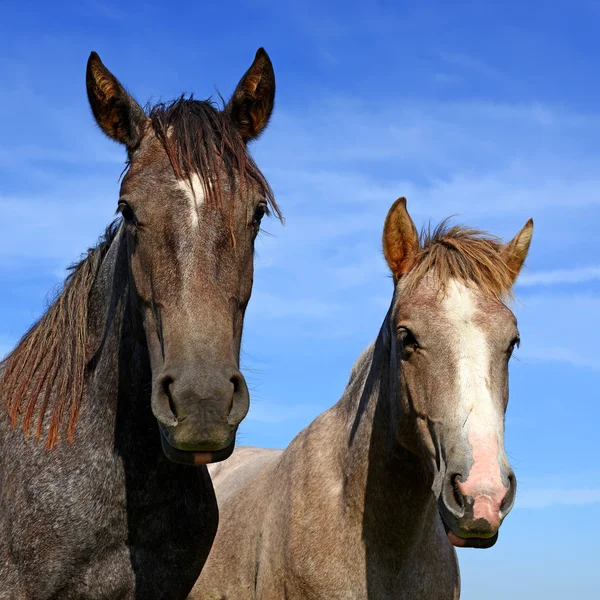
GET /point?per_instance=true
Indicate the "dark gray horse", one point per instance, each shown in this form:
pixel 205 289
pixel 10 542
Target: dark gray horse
pixel 140 350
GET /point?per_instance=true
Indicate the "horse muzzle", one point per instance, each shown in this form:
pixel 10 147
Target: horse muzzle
pixel 198 419
pixel 473 510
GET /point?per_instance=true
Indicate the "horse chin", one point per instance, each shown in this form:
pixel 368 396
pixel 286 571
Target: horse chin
pixel 469 542
pixel 195 457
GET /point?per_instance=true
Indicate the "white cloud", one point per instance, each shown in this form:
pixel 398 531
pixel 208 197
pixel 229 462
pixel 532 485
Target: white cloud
pixel 277 412
pixel 59 224
pixel 271 306
pixel 470 63
pixel 32 155
pixel 545 497
pixel 465 136
pixel 562 354
pixel 558 276
pixel 560 328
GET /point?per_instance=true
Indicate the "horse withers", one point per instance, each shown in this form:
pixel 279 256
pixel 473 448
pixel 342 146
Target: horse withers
pixel 134 369
pixel 371 499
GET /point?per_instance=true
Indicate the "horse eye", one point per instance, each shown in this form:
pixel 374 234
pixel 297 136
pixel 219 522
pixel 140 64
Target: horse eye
pixel 408 339
pixel 515 342
pixel 126 211
pixel 259 213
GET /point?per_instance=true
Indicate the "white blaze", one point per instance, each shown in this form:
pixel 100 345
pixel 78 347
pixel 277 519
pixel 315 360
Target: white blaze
pixel 481 419
pixel 195 195
pixel 472 356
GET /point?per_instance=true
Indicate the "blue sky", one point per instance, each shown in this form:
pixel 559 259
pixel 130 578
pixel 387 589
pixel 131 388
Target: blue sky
pixel 485 110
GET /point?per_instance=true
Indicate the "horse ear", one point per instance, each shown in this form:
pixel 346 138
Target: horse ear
pixel 400 239
pixel 515 252
pixel 252 102
pixel 119 116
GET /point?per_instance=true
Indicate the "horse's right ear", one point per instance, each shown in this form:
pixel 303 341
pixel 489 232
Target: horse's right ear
pixel 119 116
pixel 400 239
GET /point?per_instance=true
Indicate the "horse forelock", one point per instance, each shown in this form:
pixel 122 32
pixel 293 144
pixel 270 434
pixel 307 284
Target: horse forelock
pixel 202 141
pixel 456 253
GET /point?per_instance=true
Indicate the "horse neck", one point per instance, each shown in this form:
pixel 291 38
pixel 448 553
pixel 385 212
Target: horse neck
pixel 118 391
pixel 386 485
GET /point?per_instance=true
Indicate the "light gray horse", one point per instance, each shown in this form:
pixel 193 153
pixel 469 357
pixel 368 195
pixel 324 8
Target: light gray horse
pixel 371 498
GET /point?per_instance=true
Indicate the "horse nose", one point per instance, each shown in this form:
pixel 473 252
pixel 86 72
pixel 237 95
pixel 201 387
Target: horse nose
pixel 200 411
pixel 480 504
pixel 490 501
pixel 224 391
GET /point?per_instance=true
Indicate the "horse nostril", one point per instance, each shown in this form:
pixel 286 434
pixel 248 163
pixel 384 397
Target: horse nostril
pixel 509 497
pixel 458 497
pixel 236 384
pixel 162 403
pixel 240 399
pixel 166 388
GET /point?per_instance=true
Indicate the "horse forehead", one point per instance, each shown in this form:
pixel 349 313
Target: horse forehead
pixel 451 303
pixel 466 308
pixel 459 304
pixel 148 151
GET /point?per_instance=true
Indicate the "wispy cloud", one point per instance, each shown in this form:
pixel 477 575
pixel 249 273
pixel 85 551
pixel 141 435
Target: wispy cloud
pixel 36 155
pixel 545 497
pixel 342 128
pixel 281 307
pixel 470 63
pixel 446 78
pixel 103 10
pixel 273 412
pixel 58 225
pixel 543 337
pixel 562 354
pixel 558 276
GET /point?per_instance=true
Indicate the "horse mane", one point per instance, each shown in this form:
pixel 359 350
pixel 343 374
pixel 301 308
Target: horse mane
pixel 200 139
pixel 51 358
pixel 460 253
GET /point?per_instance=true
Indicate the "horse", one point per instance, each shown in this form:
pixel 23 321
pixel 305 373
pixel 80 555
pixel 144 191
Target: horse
pixel 371 499
pixel 129 384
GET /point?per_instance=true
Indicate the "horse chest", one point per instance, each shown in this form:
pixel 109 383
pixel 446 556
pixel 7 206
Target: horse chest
pixel 92 530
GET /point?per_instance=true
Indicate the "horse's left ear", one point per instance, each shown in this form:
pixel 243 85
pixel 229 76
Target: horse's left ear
pixel 400 239
pixel 515 252
pixel 252 102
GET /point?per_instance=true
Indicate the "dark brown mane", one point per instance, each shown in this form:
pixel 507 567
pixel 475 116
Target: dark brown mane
pixel 201 139
pixel 52 355
pixel 470 256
